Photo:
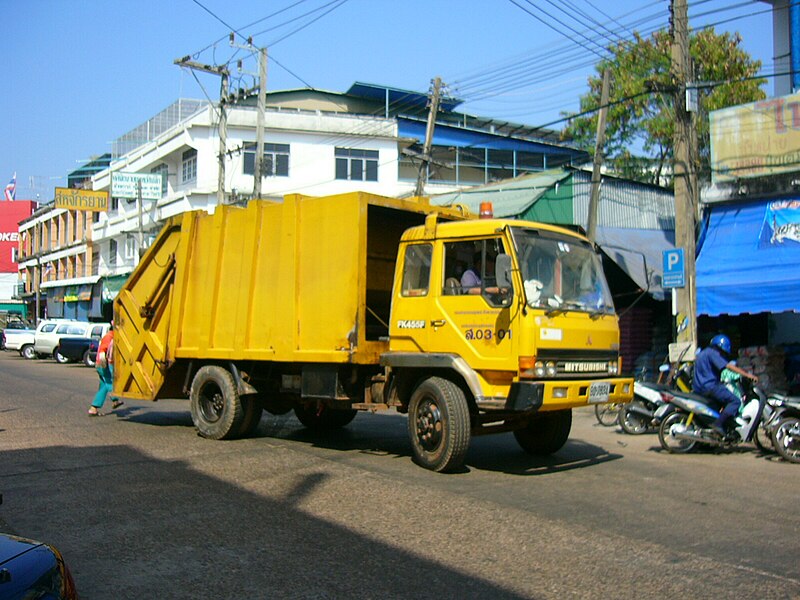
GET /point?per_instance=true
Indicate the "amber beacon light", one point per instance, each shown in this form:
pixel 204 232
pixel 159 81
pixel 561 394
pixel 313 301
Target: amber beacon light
pixel 486 210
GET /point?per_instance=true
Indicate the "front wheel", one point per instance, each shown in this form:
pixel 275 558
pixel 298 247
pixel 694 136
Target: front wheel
pixel 607 414
pixel 763 439
pixel 786 438
pixel 545 433
pixel 87 359
pixel 60 358
pixel 631 420
pixel 669 430
pixel 439 425
pixel 217 410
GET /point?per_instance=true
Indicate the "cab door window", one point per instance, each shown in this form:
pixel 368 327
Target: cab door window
pixel 470 269
pixel 417 270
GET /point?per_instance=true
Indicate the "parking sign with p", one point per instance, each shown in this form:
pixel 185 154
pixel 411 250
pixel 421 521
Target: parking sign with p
pixel 674 271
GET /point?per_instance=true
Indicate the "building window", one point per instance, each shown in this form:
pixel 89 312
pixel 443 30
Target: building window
pixel 130 247
pixel 356 165
pixel 274 164
pixel 162 170
pixel 189 166
pixel 112 253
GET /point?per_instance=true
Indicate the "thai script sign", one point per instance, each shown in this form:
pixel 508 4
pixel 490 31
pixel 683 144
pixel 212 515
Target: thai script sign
pixel 75 199
pixel 756 139
pixel 126 185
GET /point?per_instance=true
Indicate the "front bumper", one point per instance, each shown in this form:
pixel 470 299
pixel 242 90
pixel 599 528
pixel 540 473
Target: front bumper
pixel 555 395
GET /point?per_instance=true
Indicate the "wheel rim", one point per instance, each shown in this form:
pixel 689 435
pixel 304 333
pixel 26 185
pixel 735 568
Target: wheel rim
pixel 429 425
pixel 671 440
pixel 631 421
pixel 787 437
pixel 212 403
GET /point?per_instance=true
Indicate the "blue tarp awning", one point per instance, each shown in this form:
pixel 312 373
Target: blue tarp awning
pixel 749 261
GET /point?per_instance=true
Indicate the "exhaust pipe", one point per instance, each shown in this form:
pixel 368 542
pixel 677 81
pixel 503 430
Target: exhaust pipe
pixel 640 410
pixel 680 433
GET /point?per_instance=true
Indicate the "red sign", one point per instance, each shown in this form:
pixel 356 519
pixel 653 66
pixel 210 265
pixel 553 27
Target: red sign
pixel 11 213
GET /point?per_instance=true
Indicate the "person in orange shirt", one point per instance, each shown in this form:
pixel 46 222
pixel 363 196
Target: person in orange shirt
pixel 105 370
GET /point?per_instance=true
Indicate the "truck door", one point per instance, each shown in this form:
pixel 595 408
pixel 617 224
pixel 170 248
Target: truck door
pixel 471 315
pixel 410 324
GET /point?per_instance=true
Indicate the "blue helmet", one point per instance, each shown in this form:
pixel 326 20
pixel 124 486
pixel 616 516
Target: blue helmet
pixel 722 342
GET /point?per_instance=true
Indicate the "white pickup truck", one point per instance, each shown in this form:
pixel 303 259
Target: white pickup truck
pixel 49 333
pixel 15 338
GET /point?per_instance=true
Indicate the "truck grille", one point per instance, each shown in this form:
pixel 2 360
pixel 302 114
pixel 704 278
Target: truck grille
pixel 592 363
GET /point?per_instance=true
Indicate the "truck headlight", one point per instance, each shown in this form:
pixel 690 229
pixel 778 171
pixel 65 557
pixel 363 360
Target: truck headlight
pixel 613 367
pixel 538 369
pixel 550 368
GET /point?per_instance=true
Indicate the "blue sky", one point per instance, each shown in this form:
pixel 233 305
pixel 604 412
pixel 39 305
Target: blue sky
pixel 80 73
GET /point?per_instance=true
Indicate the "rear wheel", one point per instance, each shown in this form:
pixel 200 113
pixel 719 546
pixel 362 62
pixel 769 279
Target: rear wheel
pixel 607 414
pixel 787 439
pixel 252 415
pixel 631 421
pixel 545 433
pixel 669 430
pixel 217 410
pixel 27 352
pixel 439 425
pixel 323 418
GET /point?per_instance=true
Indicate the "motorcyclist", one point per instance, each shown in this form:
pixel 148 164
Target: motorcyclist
pixel 708 368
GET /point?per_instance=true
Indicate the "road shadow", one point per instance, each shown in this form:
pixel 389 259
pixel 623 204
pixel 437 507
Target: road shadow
pixel 133 526
pixel 387 435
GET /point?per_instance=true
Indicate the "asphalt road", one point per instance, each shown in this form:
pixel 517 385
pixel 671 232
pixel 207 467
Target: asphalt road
pixel 142 507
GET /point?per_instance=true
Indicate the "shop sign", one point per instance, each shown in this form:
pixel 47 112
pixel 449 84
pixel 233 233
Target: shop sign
pixel 75 199
pixel 127 185
pixel 757 139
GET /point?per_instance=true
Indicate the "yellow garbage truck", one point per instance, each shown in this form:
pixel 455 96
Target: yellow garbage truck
pixel 332 305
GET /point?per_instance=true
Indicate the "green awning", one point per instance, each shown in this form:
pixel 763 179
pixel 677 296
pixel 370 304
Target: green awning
pixel 112 285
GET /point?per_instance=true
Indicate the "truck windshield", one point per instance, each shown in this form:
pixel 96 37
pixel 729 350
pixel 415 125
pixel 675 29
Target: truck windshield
pixel 561 273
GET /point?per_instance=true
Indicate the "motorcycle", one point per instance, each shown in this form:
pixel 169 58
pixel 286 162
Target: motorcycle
pixel 650 400
pixel 690 422
pixel 784 426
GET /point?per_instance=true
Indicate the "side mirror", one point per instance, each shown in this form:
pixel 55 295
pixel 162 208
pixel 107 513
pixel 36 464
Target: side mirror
pixel 503 271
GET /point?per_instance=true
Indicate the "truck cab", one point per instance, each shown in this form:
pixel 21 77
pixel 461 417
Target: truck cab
pixel 525 337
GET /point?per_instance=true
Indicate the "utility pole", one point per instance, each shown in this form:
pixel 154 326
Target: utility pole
pixel 224 74
pixel 426 149
pixel 262 102
pixel 685 174
pixel 594 198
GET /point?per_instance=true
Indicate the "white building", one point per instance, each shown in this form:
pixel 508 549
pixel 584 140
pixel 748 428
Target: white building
pixel 315 143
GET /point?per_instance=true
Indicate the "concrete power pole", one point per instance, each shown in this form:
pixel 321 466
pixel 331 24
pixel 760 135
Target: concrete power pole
pixel 422 177
pixel 685 175
pixel 594 198
pixel 224 74
pixel 262 101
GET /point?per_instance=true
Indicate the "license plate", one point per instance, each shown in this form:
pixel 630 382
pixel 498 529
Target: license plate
pixel 598 392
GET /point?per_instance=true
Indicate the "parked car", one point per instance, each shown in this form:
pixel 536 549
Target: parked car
pixel 49 334
pixel 30 569
pixel 74 349
pixel 19 339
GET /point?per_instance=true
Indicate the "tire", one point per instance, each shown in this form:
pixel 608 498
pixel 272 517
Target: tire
pixel 87 359
pixel 27 352
pixel 323 418
pixel 763 440
pixel 786 438
pixel 60 358
pixel 545 433
pixel 670 443
pixel 632 422
pixel 252 416
pixel 217 410
pixel 439 425
pixel 607 414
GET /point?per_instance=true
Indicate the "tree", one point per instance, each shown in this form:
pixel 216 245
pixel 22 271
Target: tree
pixel 640 120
